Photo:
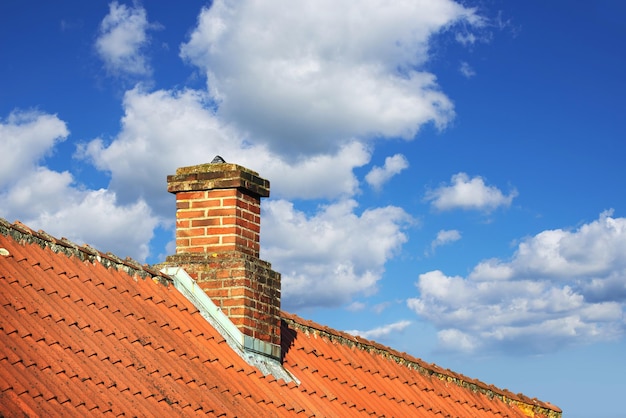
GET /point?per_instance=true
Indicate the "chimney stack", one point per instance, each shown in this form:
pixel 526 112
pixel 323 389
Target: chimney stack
pixel 218 225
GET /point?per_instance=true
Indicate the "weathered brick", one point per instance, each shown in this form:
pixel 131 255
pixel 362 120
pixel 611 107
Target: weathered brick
pixel 186 214
pixel 219 212
pixel 208 203
pixel 205 240
pixel 218 234
pixel 205 222
pixel 190 195
pixel 190 232
pixel 223 193
pixel 230 202
pixel 182 205
pixel 182 242
pixel 182 223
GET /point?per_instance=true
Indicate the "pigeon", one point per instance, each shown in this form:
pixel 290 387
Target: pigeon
pixel 217 160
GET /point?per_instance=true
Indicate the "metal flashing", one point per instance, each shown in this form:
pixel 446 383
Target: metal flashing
pixel 260 354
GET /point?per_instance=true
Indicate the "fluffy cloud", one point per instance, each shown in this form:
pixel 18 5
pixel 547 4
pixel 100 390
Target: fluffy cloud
pixel 380 175
pixel 27 136
pixel 383 331
pixel 294 94
pixel 466 193
pixel 594 250
pixel 160 131
pixel 121 38
pixel 50 200
pixel 445 237
pixel 306 79
pixel 560 288
pixel 328 257
pixel 163 130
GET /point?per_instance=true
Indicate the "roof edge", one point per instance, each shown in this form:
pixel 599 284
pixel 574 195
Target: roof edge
pixel 529 406
pixel 21 233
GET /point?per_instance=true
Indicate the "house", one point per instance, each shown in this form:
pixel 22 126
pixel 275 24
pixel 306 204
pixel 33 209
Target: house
pixel 85 333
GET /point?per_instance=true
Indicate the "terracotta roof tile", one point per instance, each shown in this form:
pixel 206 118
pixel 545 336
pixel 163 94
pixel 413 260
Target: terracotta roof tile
pixel 84 333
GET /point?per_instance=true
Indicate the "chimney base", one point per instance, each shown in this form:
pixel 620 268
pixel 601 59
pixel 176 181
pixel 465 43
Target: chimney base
pixel 244 287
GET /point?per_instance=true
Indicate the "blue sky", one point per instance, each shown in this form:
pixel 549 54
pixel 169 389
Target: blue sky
pixel 447 178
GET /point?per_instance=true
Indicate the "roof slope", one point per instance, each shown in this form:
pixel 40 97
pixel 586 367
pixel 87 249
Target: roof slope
pixel 83 333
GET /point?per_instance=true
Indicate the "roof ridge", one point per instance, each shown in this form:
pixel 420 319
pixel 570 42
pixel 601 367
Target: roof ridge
pixel 425 368
pixel 22 233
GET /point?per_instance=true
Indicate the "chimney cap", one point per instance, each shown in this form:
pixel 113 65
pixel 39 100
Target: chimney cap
pixel 217 160
pixel 217 176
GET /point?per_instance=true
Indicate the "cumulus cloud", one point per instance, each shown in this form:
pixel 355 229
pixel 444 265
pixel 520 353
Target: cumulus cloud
pixel 382 331
pixel 330 256
pixel 561 287
pixel 468 194
pixel 445 237
pixel 122 37
pixel 26 136
pixel 295 93
pixel 593 250
pixel 305 79
pixel 160 131
pixel 381 175
pixel 164 129
pixel 51 200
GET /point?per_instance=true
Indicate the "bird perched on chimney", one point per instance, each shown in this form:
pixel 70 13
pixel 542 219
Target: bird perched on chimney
pixel 217 160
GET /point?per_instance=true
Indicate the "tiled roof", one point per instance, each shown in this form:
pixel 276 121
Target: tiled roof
pixel 84 333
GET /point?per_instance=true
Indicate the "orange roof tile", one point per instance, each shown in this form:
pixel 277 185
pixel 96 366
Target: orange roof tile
pixel 85 333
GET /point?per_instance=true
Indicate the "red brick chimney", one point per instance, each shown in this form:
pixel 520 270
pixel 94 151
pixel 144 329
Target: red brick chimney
pixel 218 222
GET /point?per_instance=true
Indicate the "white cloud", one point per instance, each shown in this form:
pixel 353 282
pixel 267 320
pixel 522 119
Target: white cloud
pixel 560 288
pixel 164 130
pixel 305 79
pixel 381 175
pixel 445 237
pixel 382 331
pixel 355 306
pixel 466 38
pixel 27 136
pixel 466 193
pixel 122 38
pixel 380 307
pixel 160 131
pixel 328 176
pixel 50 200
pixel 96 218
pixel 467 70
pixel 595 249
pixel 333 255
pixel 295 93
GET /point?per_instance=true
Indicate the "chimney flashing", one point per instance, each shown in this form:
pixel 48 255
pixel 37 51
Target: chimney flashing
pixel 244 345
